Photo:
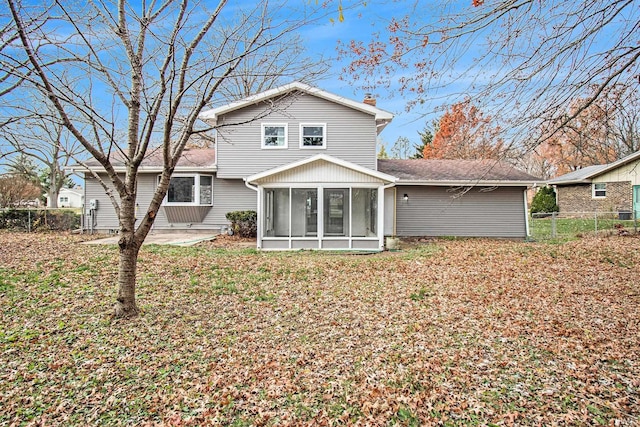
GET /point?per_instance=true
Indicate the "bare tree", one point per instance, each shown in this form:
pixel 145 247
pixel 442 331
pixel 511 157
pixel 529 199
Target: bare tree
pixel 47 141
pixel 520 60
pixel 158 64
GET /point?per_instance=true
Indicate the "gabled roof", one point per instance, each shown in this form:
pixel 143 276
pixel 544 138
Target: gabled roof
pixel 585 175
pixel 455 172
pixel 321 157
pixel 582 175
pixel 192 160
pixel 381 116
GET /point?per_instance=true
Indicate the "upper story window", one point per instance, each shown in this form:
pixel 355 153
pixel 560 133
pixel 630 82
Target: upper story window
pixel 274 135
pixel 313 135
pixel 599 190
pixel 190 190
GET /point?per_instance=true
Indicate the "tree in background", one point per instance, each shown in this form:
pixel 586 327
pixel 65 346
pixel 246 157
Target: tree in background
pixel 464 133
pixel 521 61
pixel 158 65
pixel 600 133
pixel 24 166
pixel 426 139
pixel 400 148
pixel 382 150
pixel 44 139
pixel 20 186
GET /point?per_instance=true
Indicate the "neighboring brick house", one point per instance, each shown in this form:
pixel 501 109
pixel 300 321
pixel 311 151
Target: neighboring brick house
pixel 614 187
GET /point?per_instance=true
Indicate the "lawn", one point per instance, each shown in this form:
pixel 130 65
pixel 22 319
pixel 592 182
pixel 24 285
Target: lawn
pixel 571 228
pixel 450 332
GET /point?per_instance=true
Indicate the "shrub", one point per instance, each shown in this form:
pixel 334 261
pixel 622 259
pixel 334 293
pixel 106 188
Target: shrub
pixel 544 201
pixel 244 223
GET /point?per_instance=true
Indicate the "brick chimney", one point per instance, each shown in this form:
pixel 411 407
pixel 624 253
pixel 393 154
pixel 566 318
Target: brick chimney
pixel 368 99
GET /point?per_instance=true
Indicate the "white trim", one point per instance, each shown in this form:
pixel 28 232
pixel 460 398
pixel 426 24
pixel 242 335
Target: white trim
pixel 593 190
pixel 526 215
pixel 205 170
pixel 313 147
pixel 196 184
pixel 274 147
pixel 320 235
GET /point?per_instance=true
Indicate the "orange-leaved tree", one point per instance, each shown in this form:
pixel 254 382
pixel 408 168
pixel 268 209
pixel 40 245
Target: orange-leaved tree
pixel 597 133
pixel 465 133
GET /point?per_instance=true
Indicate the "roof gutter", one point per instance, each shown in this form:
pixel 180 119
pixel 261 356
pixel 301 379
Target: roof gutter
pixel 575 181
pixel 143 169
pixel 458 183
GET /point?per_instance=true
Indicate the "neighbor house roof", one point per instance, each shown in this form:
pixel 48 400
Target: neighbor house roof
pixel 192 160
pixel 382 117
pixel 455 172
pixel 586 174
pixel 582 175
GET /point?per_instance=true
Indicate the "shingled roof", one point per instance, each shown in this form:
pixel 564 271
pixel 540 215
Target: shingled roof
pixel 195 158
pixel 455 172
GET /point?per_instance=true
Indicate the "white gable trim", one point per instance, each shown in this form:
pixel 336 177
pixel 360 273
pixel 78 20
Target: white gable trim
pixel 214 113
pixel 324 157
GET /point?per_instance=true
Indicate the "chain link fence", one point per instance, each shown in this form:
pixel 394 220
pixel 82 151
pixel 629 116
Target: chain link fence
pixel 40 219
pixel 569 225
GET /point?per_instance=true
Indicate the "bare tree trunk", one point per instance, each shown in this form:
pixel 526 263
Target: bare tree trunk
pixel 126 301
pixel 129 245
pixel 53 196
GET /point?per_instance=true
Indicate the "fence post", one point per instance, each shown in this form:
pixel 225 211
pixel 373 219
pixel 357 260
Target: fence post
pixel 28 220
pixel 553 225
pixel 595 222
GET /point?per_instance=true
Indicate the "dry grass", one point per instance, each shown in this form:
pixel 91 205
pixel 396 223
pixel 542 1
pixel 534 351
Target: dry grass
pixel 467 332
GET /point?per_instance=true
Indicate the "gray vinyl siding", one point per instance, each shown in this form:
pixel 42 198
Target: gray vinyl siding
pixel 351 136
pixel 231 195
pixel 105 218
pixel 228 195
pixel 441 211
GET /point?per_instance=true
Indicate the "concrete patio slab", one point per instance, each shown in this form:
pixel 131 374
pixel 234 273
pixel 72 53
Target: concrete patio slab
pixel 175 239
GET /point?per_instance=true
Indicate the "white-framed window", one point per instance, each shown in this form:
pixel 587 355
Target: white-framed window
pixel 599 190
pixel 64 199
pixel 190 189
pixel 313 135
pixel 275 135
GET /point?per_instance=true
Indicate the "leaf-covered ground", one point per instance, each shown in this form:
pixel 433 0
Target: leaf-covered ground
pixel 466 332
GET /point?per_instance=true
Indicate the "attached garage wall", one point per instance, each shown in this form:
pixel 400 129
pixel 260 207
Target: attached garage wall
pixel 443 211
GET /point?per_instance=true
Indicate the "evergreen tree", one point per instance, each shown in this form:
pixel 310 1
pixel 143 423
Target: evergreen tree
pixel 544 201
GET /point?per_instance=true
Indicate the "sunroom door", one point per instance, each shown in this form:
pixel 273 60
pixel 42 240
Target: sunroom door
pixel 336 211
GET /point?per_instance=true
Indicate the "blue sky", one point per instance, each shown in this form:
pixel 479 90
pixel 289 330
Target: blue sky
pixel 360 23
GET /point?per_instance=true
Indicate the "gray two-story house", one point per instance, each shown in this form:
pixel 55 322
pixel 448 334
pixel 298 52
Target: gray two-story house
pixel 305 160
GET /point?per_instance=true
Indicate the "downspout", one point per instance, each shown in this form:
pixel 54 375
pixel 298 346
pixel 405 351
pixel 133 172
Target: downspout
pixel 384 188
pixel 526 213
pixel 258 212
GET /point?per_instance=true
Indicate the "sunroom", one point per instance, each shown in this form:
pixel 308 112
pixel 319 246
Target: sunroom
pixel 320 203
